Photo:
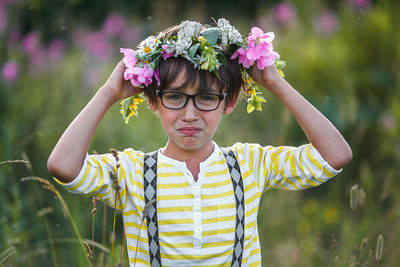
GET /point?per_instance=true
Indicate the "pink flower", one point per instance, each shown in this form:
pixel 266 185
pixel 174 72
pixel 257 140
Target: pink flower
pixel 97 45
pixel 260 50
pixel 165 54
pixel 114 25
pixel 10 71
pixel 129 58
pixel 157 77
pixel 360 4
pixel 284 13
pixel 139 75
pixel 55 50
pixel 30 43
pixel 326 23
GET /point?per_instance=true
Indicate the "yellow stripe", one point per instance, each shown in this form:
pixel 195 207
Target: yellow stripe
pixel 219 195
pixel 174 197
pixel 216 173
pixel 312 159
pixel 139 249
pixel 175 221
pixel 328 173
pixel 176 233
pixel 195 257
pixel 135 237
pixel 83 178
pixel 251 158
pixel 219 219
pixel 219 162
pixel 288 181
pixel 175 209
pixel 138 260
pixel 219 184
pixel 250 186
pixel 218 207
pixel 219 231
pixel 254 264
pixel 131 212
pixel 174 185
pixel 169 174
pixel 253 210
pixel 250 225
pixel 252 198
pixel 136 225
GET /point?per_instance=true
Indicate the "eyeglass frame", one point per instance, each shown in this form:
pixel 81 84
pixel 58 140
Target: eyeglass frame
pixel 221 97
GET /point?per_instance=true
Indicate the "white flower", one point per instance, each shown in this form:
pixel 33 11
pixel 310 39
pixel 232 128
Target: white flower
pixel 147 45
pixel 229 34
pixel 188 30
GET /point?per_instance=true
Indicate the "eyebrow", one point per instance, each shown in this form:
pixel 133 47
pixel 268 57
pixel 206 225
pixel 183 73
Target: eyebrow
pixel 206 90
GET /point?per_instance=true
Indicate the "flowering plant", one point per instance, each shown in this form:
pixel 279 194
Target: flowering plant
pixel 204 49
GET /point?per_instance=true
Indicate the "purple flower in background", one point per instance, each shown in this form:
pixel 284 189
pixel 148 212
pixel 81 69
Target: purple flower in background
pixel 326 23
pixel 55 50
pixel 97 45
pixel 284 13
pixel 30 43
pixel 114 25
pixel 10 71
pixel 360 4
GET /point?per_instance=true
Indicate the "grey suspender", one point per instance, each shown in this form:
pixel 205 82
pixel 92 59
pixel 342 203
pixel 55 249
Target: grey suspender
pixel 150 193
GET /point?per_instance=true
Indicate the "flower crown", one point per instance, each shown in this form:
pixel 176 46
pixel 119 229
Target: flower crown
pixel 204 49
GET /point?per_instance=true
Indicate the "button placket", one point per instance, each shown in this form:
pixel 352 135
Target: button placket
pixel 197 228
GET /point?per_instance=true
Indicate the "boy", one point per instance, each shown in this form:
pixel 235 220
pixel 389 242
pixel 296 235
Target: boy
pixel 205 212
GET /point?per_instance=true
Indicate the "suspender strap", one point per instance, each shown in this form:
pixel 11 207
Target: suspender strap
pixel 150 193
pixel 237 183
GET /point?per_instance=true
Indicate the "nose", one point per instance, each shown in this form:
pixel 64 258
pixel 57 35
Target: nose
pixel 190 112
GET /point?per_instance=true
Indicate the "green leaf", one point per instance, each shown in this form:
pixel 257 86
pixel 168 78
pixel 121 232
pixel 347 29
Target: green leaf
pixel 211 35
pixel 193 50
pixel 250 107
pixel 222 59
pixel 280 64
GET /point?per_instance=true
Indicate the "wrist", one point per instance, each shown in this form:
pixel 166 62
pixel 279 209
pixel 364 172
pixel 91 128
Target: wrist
pixel 106 93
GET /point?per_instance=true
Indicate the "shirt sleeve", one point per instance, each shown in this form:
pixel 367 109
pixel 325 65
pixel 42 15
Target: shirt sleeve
pixel 96 177
pixel 286 167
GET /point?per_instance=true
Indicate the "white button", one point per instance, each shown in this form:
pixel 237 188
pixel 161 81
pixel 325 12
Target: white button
pixel 197 243
pixel 199 229
pixel 197 201
pixel 196 189
pixel 197 215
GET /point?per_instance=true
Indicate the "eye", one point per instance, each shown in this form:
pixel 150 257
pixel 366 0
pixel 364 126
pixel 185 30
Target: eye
pixel 174 97
pixel 207 98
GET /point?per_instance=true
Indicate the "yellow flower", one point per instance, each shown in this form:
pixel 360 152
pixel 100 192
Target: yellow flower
pixel 147 50
pixel 138 100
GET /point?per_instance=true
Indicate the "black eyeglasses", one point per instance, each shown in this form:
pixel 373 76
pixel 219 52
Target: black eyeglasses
pixel 177 100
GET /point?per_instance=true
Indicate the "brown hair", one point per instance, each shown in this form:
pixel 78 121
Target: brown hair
pixel 169 70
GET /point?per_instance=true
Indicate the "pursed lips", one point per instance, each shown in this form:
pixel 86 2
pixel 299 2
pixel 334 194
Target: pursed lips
pixel 188 131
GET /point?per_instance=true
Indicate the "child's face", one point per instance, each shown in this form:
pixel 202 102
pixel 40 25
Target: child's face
pixel 188 128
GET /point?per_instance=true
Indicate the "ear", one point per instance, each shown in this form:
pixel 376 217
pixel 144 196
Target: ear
pixel 231 105
pixel 153 105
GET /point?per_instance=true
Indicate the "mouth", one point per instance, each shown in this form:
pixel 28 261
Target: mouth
pixel 189 131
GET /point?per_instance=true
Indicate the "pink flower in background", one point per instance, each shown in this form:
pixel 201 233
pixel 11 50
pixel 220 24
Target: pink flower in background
pixel 260 50
pixel 360 4
pixel 30 43
pixel 55 50
pixel 326 23
pixel 114 25
pixel 97 45
pixel 37 60
pixel 10 71
pixel 284 13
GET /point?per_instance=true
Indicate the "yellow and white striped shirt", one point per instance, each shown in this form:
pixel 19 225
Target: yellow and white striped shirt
pixel 197 219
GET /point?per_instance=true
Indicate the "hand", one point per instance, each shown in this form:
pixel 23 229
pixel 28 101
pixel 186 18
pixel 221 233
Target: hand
pixel 267 77
pixel 118 86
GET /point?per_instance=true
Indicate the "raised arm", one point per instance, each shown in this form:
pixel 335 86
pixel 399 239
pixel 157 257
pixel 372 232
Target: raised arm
pixel 322 134
pixel 67 157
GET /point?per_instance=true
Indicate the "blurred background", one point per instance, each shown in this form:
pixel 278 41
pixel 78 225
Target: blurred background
pixel 343 56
